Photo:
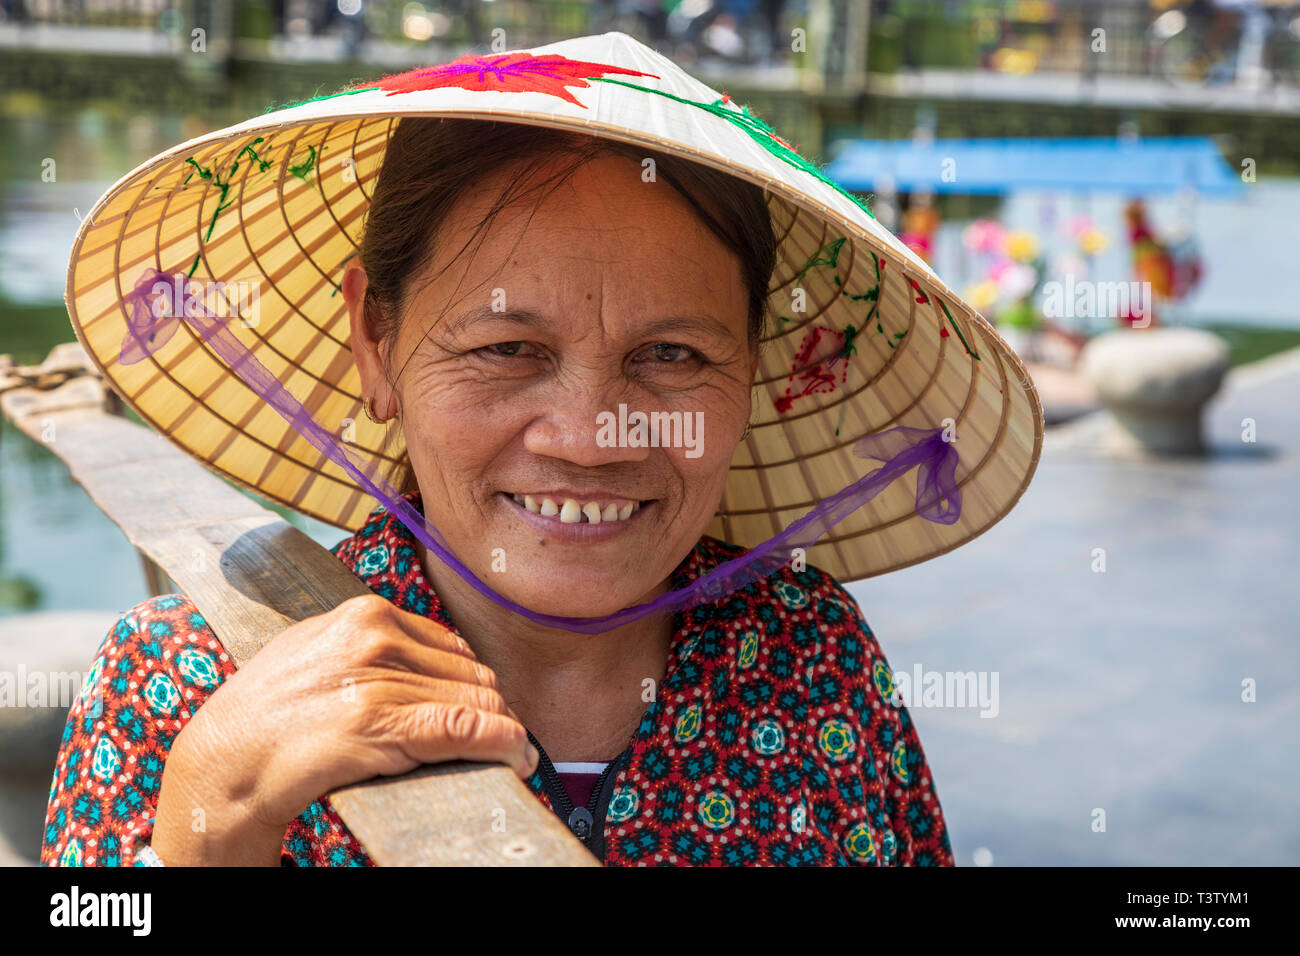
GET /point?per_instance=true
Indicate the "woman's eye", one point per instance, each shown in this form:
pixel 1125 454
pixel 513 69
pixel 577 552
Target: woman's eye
pixel 506 348
pixel 667 353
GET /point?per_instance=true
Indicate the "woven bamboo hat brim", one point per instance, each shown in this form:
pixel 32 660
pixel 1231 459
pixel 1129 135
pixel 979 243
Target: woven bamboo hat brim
pixel 280 201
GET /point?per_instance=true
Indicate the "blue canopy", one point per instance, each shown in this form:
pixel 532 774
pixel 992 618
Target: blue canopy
pixel 1133 166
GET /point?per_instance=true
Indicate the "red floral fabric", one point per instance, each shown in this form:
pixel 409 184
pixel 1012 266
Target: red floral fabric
pixel 772 739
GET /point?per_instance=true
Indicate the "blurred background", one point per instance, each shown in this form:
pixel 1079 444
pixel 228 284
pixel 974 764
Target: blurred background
pixel 1115 184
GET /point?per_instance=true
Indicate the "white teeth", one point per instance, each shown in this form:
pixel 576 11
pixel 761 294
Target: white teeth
pixel 573 512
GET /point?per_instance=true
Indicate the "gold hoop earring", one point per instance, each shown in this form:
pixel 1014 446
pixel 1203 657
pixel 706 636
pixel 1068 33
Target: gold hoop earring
pixel 365 405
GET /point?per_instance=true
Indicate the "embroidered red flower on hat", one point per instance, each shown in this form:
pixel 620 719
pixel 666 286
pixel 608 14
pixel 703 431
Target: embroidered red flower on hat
pixel 820 349
pixel 505 73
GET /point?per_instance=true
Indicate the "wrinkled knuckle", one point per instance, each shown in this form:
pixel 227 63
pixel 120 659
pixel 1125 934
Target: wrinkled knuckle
pixel 490 700
pixel 486 676
pixel 355 617
pixel 457 643
pixel 461 723
pixel 373 644
pixel 369 607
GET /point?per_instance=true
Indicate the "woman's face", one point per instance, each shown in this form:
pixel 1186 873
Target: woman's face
pixel 506 367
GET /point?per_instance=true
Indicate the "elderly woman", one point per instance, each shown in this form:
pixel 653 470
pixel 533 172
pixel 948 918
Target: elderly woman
pixel 570 331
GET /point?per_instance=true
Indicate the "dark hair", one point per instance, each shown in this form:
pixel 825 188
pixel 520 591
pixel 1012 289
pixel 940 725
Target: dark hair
pixel 431 161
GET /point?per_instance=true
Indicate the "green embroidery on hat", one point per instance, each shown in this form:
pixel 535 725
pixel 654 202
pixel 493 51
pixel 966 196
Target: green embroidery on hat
pixel 872 295
pixel 327 96
pixel 303 169
pixel 830 259
pixel 208 175
pixel 262 164
pixel 829 255
pixel 971 353
pixel 850 333
pixel 758 131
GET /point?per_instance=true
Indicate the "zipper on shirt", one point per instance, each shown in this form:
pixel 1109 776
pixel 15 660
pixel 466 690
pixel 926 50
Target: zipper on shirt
pixel 586 823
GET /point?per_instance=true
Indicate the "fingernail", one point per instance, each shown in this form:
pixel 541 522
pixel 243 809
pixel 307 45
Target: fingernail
pixel 534 758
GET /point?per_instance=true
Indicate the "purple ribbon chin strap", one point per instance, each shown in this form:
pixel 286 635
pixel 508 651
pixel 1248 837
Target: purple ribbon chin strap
pixel 159 302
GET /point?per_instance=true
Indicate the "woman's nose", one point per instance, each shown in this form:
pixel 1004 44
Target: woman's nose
pixel 584 429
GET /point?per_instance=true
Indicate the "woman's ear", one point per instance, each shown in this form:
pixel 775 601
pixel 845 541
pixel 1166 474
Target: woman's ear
pixel 366 350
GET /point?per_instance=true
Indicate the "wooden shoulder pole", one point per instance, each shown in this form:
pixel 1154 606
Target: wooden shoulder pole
pixel 251 575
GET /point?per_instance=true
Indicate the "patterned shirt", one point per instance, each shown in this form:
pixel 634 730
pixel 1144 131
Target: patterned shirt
pixel 772 739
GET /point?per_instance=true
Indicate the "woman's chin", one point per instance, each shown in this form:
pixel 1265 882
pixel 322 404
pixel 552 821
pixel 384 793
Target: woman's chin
pixel 574 598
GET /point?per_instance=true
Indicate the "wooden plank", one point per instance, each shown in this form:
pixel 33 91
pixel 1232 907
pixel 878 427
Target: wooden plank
pixel 64 361
pixel 251 575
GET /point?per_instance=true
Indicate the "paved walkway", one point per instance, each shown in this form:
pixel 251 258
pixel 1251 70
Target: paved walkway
pixel 1122 691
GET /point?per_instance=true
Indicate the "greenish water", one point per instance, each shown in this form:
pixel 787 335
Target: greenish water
pixel 57 550
pixel 30 331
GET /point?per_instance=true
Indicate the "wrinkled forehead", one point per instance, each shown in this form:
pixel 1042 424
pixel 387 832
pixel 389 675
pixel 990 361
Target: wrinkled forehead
pixel 601 246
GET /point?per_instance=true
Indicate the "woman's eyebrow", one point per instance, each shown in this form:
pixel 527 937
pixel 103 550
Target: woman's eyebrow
pixel 485 313
pixel 690 323
pixel 672 323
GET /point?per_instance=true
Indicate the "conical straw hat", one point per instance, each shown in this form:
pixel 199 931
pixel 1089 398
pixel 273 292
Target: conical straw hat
pixel 274 207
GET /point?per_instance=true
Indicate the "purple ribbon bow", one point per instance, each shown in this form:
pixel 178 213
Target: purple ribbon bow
pixel 159 302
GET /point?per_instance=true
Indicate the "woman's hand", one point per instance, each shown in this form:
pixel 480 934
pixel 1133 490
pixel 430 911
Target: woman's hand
pixel 362 690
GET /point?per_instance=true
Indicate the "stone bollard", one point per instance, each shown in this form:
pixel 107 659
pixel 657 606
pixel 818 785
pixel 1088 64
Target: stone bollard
pixel 1155 382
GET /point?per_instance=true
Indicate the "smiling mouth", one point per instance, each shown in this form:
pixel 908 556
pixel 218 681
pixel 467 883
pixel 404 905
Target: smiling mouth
pixel 579 511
